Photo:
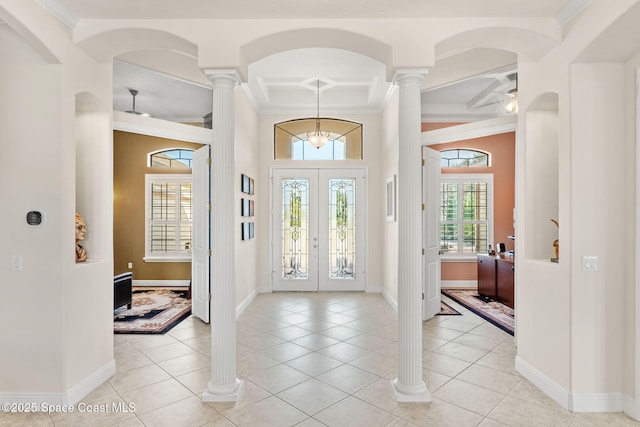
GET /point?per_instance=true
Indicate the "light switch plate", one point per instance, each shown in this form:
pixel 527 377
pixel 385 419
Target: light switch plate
pixel 589 263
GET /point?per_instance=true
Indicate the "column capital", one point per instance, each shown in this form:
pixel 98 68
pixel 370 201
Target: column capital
pixel 223 74
pixel 410 74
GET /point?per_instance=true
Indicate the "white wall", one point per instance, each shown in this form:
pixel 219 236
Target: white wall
pixel 62 346
pixel 389 167
pixel 246 157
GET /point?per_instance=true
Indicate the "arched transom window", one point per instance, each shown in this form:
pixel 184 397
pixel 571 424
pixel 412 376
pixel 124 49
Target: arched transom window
pixel 176 158
pixel 463 158
pixel 291 140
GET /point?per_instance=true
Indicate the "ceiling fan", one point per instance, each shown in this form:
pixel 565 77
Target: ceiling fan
pixel 133 93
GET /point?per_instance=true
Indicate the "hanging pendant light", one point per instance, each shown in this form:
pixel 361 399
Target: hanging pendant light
pixel 318 138
pixel 133 93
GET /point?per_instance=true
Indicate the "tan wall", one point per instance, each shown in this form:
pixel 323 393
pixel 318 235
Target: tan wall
pixel 129 169
pixel 501 148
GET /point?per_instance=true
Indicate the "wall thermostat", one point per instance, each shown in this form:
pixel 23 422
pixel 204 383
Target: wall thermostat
pixel 34 218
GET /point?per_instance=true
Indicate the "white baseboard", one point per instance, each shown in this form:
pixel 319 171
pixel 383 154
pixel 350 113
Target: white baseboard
pixel 392 302
pixel 631 407
pixel 549 387
pixel 78 392
pixel 160 283
pixel 576 402
pixel 70 397
pixel 466 284
pixel 245 303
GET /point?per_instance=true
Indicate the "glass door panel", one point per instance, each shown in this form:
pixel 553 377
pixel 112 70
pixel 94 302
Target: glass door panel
pixel 318 227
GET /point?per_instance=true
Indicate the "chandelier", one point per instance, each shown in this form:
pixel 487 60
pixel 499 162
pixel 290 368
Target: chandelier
pixel 318 138
pixel 512 97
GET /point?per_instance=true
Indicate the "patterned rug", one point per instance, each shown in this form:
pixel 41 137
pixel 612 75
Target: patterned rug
pixel 490 310
pixel 447 310
pixel 153 311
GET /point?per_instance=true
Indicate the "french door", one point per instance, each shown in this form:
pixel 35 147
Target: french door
pixel 318 226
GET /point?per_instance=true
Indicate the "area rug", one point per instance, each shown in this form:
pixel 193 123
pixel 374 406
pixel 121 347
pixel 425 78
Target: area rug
pixel 447 310
pixel 153 311
pixel 490 310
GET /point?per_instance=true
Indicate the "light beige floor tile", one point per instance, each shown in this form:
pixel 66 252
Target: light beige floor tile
pixel 249 362
pixel 260 342
pixel 376 364
pixel 98 414
pixel 278 378
pixel 488 422
pixel 127 361
pixel 488 330
pixel 248 394
pixel 478 341
pixel 443 364
pixel 500 361
pixel 512 411
pixel 314 364
pixel 341 333
pixel 434 380
pixel 343 351
pixel 310 422
pixel 400 422
pixel 462 352
pixel 166 352
pixel 143 342
pixel 369 342
pixel 185 413
pixel 271 412
pixel 381 395
pixel 290 333
pixel 184 364
pixel 455 323
pixel 201 344
pixel 156 395
pixel 21 419
pixel 354 412
pixel 348 378
pixel 618 419
pixel 285 351
pixel 430 343
pixel 315 341
pixel 139 377
pixel 317 325
pixel 440 332
pixel 469 396
pixel 492 379
pixel 312 396
pixel 196 381
pixel 439 413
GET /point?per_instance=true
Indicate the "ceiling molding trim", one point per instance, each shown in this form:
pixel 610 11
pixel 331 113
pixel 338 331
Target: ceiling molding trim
pixel 571 10
pixel 161 128
pixel 62 13
pixel 466 131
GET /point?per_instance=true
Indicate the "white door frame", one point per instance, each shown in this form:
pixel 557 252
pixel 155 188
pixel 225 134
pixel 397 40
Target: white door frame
pixel 362 201
pixel 431 232
pixel 201 245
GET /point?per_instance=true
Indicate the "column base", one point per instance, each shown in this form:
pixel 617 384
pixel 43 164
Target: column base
pixel 415 394
pixel 222 394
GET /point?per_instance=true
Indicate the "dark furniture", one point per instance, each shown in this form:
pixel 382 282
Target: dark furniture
pixel 122 290
pixel 495 277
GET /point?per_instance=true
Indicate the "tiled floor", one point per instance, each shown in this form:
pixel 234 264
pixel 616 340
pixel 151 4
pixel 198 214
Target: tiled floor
pixel 315 359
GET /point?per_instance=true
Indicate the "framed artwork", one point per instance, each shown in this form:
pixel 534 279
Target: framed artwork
pixel 251 185
pixel 391 198
pixel 251 207
pixel 245 183
pixel 245 206
pixel 251 230
pixel 244 227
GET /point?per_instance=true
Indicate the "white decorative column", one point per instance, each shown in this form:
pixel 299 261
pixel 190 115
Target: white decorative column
pixel 224 385
pixel 409 385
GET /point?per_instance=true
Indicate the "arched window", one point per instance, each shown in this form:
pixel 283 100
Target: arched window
pixel 291 141
pixel 176 158
pixel 463 158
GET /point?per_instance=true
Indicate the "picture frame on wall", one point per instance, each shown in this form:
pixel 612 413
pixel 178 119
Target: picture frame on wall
pixel 251 186
pixel 245 183
pixel 391 199
pixel 245 228
pixel 251 230
pixel 245 207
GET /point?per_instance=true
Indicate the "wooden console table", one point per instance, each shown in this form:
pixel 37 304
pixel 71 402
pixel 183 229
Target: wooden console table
pixel 495 277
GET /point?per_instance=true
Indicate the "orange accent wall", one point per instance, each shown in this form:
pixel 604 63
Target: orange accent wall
pixel 129 168
pixel 502 151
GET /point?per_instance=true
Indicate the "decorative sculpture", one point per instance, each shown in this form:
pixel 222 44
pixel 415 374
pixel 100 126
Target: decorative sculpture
pixel 556 244
pixel 81 234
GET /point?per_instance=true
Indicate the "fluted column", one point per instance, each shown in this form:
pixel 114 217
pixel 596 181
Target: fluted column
pixel 224 385
pixel 409 385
